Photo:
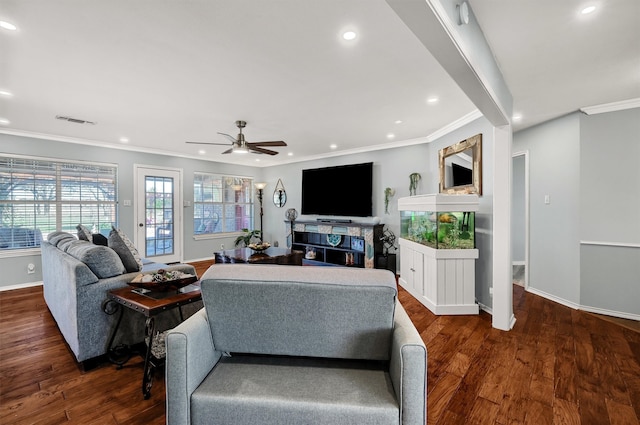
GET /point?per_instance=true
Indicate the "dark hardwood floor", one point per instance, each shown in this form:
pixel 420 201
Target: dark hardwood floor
pixel 557 366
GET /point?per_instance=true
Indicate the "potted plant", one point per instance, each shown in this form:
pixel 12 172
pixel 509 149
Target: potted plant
pixel 246 237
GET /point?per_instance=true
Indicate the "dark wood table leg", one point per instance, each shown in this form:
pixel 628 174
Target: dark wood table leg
pixel 147 377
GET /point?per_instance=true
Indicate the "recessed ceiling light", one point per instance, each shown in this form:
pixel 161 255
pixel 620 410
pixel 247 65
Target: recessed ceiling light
pixel 588 9
pixel 433 99
pixel 398 121
pixel 8 26
pixel 516 117
pixel 4 121
pixel 333 146
pixel 391 136
pixel 349 35
pixel 6 93
pixel 257 159
pixel 124 140
pixel 290 154
pixel 202 151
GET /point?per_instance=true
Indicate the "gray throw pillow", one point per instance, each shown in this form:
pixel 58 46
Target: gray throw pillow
pixel 84 234
pixel 128 253
pixel 102 260
pixel 56 238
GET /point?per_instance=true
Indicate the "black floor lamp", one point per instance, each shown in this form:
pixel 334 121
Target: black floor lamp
pixel 260 187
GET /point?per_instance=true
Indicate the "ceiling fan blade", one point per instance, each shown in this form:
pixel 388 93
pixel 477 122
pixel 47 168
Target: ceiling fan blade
pixel 261 150
pixel 208 143
pixel 233 139
pixel 228 151
pixel 278 143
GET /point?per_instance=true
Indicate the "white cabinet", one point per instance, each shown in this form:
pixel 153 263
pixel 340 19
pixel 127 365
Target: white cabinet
pixel 411 270
pixel 437 252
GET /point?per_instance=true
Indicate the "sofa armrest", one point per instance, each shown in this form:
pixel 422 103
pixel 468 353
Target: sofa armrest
pixel 408 369
pixel 190 357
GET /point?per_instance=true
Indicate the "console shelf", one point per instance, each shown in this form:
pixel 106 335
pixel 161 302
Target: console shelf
pixel 337 243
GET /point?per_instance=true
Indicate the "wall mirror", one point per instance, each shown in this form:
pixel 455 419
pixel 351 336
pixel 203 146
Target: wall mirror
pixel 279 195
pixel 461 167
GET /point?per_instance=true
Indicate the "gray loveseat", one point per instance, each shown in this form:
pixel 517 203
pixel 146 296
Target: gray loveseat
pixel 76 277
pixel 296 345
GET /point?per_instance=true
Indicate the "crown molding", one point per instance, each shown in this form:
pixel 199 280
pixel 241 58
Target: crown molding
pixel 612 107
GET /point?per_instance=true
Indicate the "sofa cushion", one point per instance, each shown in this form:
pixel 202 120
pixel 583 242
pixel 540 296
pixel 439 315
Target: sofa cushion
pixel 128 253
pixel 55 238
pixel 300 311
pixel 274 390
pixel 102 260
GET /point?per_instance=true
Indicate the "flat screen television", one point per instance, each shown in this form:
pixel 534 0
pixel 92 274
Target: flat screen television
pixel 461 175
pixel 345 190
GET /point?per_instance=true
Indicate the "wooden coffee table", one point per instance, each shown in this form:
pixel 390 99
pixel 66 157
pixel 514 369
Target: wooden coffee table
pixel 272 255
pixel 150 304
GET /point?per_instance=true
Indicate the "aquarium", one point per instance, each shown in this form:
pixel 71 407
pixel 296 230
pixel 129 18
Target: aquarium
pixel 439 230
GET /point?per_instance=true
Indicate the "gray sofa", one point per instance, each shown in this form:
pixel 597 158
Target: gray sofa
pixel 76 277
pixel 296 345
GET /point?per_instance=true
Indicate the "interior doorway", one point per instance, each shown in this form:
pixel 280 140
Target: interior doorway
pixel 158 212
pixel 520 218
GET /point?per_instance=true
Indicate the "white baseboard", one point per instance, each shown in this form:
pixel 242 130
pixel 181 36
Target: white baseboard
pixel 20 286
pixel 590 309
pixel 554 298
pixel 612 313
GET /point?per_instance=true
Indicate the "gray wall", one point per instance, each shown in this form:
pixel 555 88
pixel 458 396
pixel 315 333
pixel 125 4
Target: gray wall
pixel 14 269
pixel 585 245
pixel 554 238
pixel 610 211
pixel 391 169
pixel 518 210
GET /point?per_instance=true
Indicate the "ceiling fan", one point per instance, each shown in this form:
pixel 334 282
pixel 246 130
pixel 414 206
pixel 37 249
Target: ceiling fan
pixel 240 145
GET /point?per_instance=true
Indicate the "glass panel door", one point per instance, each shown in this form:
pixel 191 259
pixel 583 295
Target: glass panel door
pixel 159 231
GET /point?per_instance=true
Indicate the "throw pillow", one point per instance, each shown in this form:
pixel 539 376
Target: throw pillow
pixel 128 253
pixel 84 234
pixel 102 261
pixel 100 239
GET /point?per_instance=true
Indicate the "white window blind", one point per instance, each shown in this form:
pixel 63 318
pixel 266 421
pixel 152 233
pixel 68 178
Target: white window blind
pixel 39 196
pixel 222 204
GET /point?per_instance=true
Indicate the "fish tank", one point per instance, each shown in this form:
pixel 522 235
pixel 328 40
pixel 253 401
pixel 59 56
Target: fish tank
pixel 428 222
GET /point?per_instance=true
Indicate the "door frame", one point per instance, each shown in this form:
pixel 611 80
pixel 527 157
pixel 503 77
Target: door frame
pixel 140 170
pixel 525 154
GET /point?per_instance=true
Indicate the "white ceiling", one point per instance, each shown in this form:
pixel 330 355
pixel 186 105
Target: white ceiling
pixel 161 73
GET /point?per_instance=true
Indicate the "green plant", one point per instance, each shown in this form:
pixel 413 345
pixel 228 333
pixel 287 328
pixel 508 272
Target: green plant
pixel 245 239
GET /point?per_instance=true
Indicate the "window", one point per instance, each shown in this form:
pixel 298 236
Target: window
pixel 222 204
pixel 40 196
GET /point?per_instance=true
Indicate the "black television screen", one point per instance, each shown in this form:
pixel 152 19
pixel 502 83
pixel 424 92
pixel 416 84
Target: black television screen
pixel 344 190
pixel 461 175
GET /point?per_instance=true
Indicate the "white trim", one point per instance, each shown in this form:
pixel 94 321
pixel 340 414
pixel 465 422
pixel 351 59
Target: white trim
pixel 24 252
pixel 612 107
pixel 20 286
pixel 485 308
pixel 615 244
pixel 518 263
pixel 612 313
pixel 553 298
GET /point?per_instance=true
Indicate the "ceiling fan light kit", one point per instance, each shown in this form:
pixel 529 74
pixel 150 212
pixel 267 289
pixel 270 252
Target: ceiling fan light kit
pixel 241 146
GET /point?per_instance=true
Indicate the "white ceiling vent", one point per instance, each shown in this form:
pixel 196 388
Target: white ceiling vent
pixel 74 120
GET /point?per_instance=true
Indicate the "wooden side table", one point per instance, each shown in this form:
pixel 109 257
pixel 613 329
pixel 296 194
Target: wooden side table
pixel 150 304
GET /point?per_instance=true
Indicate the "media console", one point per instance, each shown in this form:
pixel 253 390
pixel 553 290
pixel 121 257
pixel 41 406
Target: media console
pixel 337 242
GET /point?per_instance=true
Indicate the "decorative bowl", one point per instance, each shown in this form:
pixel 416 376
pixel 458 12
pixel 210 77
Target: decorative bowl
pixel 163 281
pixel 259 247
